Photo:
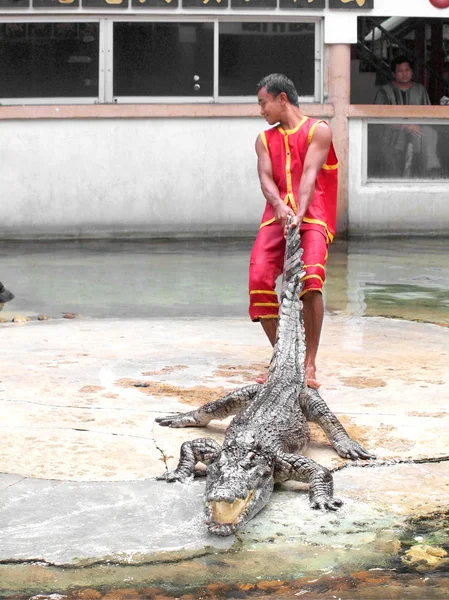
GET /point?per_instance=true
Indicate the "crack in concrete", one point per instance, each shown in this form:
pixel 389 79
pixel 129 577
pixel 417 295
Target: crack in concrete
pixel 390 462
pixel 164 456
pixel 11 484
pixel 82 430
pixel 82 407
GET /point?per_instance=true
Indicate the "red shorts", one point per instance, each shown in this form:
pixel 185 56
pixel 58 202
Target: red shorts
pixel 267 264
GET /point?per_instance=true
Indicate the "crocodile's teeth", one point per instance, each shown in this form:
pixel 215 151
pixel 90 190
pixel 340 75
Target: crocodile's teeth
pixel 225 512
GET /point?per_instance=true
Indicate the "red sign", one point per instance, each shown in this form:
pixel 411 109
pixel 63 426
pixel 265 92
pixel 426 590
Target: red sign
pixel 440 3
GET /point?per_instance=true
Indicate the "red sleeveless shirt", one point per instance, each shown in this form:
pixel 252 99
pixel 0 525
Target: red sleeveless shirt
pixel 287 151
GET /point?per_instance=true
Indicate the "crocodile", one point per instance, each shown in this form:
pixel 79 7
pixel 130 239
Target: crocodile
pixel 264 441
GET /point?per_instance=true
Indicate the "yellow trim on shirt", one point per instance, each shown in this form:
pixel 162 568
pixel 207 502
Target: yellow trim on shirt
pixel 291 131
pixel 267 222
pixel 315 265
pixel 289 198
pixel 286 199
pixel 263 137
pixel 311 131
pixel 288 173
pixel 330 167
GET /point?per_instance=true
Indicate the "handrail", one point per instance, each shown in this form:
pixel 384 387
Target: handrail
pixel 379 63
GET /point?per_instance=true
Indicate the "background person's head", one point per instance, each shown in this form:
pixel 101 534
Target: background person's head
pixel 276 83
pixel 402 69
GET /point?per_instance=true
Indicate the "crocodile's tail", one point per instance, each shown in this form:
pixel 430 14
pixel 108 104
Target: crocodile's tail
pixel 289 350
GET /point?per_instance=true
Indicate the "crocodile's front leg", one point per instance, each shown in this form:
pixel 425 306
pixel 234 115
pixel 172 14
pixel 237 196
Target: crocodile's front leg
pixel 316 410
pixel 300 468
pixel 220 409
pixel 205 450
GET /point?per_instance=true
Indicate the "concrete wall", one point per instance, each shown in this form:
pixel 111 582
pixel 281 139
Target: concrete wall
pixel 391 208
pixel 87 177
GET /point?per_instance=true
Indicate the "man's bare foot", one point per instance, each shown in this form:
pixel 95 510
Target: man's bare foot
pixel 313 383
pixel 310 378
pixel 262 378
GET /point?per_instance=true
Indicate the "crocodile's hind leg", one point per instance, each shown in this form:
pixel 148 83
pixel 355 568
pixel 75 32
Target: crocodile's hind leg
pixel 317 411
pixel 220 409
pixel 300 468
pixel 205 450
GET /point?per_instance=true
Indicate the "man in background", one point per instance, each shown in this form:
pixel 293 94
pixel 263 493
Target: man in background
pixel 407 149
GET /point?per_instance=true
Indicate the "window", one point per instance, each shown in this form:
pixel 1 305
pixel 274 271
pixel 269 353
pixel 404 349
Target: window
pixel 395 151
pixel 45 60
pixel 113 59
pixel 249 51
pixel 163 59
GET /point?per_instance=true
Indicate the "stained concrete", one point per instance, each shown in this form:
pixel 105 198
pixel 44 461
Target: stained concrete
pixel 81 450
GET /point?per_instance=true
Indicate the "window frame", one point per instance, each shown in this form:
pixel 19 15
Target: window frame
pixel 106 61
pixel 396 181
pixel 100 98
pixel 216 98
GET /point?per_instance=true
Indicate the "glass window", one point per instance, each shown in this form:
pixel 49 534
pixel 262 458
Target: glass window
pixel 163 59
pixel 44 60
pixel 249 51
pixel 408 151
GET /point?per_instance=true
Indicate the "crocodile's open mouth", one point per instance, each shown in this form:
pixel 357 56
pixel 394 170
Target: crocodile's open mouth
pixel 225 512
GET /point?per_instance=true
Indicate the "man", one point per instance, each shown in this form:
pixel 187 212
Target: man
pixel 407 149
pixel 298 173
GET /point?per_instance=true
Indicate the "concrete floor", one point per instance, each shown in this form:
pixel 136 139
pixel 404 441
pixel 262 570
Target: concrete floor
pixel 80 449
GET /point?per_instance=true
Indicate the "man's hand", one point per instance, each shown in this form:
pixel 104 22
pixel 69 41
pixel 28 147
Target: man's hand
pixel 414 129
pixel 281 212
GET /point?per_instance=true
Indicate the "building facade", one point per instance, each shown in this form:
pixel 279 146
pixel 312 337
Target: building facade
pixel 139 117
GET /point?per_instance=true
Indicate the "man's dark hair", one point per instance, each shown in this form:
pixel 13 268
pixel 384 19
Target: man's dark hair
pixel 398 60
pixel 277 83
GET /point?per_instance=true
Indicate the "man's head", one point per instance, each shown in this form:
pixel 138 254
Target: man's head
pixel 402 69
pixel 274 93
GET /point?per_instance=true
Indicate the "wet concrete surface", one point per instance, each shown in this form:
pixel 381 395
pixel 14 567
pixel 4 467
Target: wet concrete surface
pixel 398 278
pixel 81 513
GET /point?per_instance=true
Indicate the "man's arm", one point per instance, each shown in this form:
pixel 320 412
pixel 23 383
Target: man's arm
pixel 315 158
pixel 269 189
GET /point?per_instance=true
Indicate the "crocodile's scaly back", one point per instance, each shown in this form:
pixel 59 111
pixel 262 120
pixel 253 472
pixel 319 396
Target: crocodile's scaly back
pixel 289 351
